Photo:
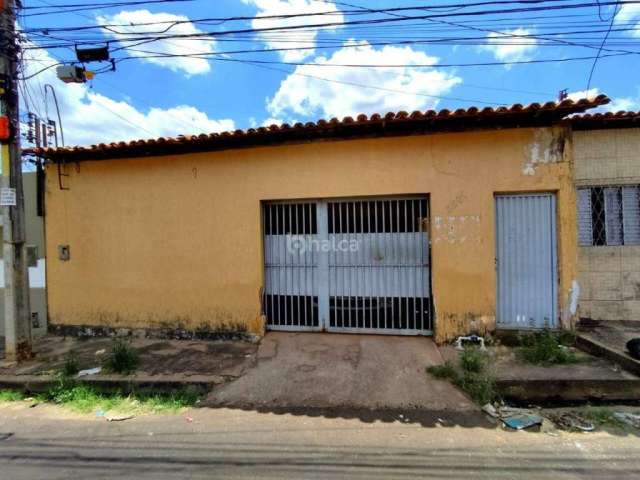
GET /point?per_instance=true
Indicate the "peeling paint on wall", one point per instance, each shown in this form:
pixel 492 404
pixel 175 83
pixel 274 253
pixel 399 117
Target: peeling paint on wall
pixel 574 295
pixel 456 229
pixel 547 146
pixel 450 326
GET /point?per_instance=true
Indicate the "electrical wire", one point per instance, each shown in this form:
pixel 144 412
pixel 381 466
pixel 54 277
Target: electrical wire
pixel 604 41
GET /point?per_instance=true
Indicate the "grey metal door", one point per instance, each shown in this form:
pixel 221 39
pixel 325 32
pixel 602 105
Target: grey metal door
pixel 355 266
pixel 526 261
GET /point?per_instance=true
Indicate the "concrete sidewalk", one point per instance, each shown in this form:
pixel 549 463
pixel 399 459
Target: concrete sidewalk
pixel 165 365
pixel 340 370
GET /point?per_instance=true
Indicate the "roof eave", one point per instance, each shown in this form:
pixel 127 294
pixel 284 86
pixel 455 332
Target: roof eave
pixel 389 125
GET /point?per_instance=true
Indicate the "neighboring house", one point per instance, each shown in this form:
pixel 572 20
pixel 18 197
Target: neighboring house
pixel 607 176
pixel 35 253
pixel 438 223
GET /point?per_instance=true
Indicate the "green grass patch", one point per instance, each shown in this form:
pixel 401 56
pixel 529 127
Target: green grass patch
pixel 547 348
pixel 602 417
pixel 71 365
pixel 470 374
pixel 443 372
pixel 473 360
pixel 11 396
pixel 85 399
pixel 123 358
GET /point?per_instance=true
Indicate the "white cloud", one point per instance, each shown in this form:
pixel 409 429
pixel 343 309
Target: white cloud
pixel 628 104
pixel 630 13
pixel 617 104
pixel 188 45
pixel 580 94
pixel 511 45
pixel 89 117
pixel 304 38
pixel 301 95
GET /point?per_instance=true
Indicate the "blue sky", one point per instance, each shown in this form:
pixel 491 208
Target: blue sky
pixel 148 97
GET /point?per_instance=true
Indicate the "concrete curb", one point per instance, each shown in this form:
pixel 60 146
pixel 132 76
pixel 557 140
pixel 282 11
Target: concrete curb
pixel 569 391
pixel 126 385
pixel 586 343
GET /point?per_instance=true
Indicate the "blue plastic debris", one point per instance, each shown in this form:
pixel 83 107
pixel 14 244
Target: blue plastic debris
pixel 520 422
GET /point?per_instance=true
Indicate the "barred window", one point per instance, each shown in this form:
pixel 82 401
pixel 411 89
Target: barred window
pixel 609 215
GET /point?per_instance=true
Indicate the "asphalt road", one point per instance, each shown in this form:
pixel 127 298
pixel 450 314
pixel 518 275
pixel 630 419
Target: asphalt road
pixel 46 442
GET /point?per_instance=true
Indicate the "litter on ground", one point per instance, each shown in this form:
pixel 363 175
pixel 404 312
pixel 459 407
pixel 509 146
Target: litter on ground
pixel 514 418
pixel 120 418
pixel 572 421
pixel 630 419
pixel 90 371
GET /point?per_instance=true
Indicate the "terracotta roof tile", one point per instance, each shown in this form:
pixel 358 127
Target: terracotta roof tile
pixel 593 121
pixel 390 124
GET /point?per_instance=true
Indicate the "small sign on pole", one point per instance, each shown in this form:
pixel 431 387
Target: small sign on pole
pixel 7 197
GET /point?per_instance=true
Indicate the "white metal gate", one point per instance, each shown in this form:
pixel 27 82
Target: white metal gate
pixel 359 266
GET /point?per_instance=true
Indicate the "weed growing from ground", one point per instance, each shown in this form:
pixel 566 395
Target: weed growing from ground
pixel 471 375
pixel 443 372
pixel 11 396
pixel 71 365
pixel 547 348
pixel 85 399
pixel 602 416
pixel 123 358
pixel 473 360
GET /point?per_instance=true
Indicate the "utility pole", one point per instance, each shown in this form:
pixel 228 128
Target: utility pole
pixel 16 274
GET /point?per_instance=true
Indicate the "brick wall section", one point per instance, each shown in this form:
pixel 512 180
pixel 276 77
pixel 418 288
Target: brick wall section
pixel 609 276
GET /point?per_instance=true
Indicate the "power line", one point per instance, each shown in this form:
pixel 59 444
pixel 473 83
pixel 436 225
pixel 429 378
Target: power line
pixel 374 65
pixel 604 41
pixel 374 21
pixel 59 9
pixel 221 20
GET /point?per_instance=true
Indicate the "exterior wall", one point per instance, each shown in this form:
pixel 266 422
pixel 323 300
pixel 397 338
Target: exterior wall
pixel 35 236
pixel 609 276
pixel 176 241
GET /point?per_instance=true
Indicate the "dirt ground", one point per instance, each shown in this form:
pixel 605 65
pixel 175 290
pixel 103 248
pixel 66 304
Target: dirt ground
pixel 157 357
pixel 46 442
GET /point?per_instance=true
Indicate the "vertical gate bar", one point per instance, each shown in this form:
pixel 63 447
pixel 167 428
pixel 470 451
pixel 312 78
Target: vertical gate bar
pixel 337 255
pixel 370 263
pixel 323 265
pixel 397 262
pixel 351 257
pixel 366 237
pixel 392 269
pixel 304 267
pixel 385 256
pixel 361 262
pixel 376 268
pixel 405 268
pixel 332 264
pixel 419 278
pixel 290 280
pixel 342 262
pixel 279 263
pixel 298 262
pixel 401 262
pixel 274 269
pixel 422 266
pixel 314 266
pixel 414 272
pixel 287 300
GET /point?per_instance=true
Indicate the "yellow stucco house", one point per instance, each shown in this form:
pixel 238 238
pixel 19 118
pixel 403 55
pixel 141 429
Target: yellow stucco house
pixel 431 223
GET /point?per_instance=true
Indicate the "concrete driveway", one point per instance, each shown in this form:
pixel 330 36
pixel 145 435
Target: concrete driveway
pixel 323 370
